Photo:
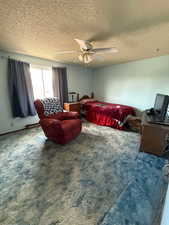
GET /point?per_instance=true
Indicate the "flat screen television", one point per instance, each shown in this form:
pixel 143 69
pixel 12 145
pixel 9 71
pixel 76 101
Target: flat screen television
pixel 161 106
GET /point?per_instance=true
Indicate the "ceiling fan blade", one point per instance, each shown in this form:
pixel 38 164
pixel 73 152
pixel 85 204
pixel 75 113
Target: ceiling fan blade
pixel 104 50
pixel 98 57
pixel 80 42
pixel 66 52
pixel 84 45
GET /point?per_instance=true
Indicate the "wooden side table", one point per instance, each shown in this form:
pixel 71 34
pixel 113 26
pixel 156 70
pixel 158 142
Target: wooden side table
pixel 72 106
pixel 154 137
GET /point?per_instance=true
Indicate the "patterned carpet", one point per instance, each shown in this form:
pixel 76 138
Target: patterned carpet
pixel 99 178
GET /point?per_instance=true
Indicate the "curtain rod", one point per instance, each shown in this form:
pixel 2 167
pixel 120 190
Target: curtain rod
pixel 36 64
pixel 5 57
pixel 9 57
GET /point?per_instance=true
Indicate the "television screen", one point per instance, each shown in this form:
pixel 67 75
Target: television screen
pixel 161 105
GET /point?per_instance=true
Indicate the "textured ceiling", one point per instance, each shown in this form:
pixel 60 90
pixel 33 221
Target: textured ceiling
pixel 139 29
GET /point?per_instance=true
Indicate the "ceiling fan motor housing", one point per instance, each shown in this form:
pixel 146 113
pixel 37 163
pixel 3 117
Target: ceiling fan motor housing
pixel 86 47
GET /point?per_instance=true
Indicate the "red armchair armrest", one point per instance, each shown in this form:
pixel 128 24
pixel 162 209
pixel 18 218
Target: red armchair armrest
pixel 50 123
pixel 70 115
pixel 65 115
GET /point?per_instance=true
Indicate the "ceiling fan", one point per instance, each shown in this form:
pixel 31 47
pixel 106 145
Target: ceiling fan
pixel 87 52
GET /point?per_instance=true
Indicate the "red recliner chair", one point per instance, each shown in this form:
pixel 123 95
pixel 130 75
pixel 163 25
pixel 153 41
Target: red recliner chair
pixel 60 127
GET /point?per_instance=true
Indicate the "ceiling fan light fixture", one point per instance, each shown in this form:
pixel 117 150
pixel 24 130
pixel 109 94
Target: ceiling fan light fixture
pixel 85 58
pixel 80 57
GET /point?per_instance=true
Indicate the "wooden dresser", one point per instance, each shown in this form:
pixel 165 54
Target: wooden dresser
pixel 154 137
pixel 72 106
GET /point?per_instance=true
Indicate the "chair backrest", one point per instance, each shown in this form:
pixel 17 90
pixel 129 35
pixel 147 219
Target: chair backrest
pixel 39 109
pixel 47 107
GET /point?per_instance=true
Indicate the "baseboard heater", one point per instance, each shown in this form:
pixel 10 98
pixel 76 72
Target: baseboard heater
pixel 28 126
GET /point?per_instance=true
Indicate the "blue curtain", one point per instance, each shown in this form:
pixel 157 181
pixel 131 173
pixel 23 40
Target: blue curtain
pixel 20 89
pixel 60 86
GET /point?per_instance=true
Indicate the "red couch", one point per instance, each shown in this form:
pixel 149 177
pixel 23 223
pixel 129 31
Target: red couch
pixel 60 127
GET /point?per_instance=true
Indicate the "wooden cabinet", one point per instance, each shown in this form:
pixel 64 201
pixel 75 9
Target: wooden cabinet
pixel 72 106
pixel 154 137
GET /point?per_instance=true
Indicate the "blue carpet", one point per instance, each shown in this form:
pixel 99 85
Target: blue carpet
pixel 98 178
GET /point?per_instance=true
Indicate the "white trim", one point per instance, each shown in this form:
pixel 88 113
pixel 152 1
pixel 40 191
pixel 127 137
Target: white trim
pixel 165 214
pixel 39 66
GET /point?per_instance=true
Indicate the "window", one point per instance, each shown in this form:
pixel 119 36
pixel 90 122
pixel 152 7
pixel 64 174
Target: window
pixel 42 82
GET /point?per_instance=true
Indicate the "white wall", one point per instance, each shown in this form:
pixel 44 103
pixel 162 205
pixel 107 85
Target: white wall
pixel 134 83
pixel 79 79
